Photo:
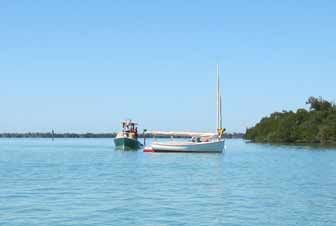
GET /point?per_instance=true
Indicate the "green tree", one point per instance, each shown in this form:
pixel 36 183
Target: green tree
pixel 318 125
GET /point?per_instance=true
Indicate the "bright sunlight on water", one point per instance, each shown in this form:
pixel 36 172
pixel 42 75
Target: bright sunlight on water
pixel 86 182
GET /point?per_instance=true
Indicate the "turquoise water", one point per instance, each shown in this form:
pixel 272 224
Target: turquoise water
pixel 85 182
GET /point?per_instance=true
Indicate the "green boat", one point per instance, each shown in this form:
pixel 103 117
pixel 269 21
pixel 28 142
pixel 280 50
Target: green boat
pixel 128 138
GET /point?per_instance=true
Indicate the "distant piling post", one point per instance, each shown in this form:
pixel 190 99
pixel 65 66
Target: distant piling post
pixel 52 135
pixel 144 136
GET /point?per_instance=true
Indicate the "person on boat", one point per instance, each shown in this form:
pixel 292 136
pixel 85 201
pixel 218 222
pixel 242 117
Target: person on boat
pixel 136 132
pixel 196 139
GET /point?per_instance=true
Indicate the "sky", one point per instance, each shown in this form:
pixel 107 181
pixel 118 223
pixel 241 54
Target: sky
pixel 84 66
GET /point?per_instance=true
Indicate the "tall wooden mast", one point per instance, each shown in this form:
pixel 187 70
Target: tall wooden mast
pixel 219 102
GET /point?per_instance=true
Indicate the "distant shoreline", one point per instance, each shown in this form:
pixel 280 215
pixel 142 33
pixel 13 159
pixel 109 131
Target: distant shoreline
pixel 92 135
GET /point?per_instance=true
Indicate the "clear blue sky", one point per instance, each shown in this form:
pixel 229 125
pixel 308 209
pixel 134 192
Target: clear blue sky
pixel 86 65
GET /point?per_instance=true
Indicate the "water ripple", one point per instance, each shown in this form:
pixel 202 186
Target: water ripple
pixel 85 182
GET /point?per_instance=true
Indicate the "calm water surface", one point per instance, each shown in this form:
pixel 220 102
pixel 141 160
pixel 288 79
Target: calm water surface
pixel 86 182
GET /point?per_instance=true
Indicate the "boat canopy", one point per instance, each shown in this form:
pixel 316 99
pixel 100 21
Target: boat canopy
pixel 186 134
pixel 129 122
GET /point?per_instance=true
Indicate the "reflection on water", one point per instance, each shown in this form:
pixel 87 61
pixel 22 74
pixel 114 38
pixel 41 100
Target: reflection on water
pixel 86 182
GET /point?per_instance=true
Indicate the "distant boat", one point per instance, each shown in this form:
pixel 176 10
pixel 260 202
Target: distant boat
pixel 200 142
pixel 128 138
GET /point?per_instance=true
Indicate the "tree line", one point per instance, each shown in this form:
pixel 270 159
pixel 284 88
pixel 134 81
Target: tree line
pixel 316 125
pixel 90 135
pixel 57 135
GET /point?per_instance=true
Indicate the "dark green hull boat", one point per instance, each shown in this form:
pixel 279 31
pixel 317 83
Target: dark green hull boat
pixel 127 144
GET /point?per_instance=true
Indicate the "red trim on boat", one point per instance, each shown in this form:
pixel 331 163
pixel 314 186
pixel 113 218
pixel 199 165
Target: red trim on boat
pixel 165 151
pixel 148 150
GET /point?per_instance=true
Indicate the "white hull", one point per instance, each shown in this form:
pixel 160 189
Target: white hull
pixel 202 147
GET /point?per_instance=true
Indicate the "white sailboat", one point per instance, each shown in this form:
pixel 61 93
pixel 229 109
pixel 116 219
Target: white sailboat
pixel 200 142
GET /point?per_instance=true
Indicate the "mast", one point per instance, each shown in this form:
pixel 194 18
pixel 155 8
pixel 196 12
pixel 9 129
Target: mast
pixel 219 110
pixel 217 101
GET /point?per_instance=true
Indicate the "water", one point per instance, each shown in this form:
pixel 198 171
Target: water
pixel 85 182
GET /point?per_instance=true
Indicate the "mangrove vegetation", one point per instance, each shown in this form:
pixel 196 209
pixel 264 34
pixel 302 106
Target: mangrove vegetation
pixel 315 125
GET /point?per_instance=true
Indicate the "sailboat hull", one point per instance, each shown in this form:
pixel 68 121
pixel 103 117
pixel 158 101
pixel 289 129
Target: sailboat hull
pixel 215 145
pixel 202 147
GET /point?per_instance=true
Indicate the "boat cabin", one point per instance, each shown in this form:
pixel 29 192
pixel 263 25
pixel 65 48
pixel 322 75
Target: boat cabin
pixel 130 130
